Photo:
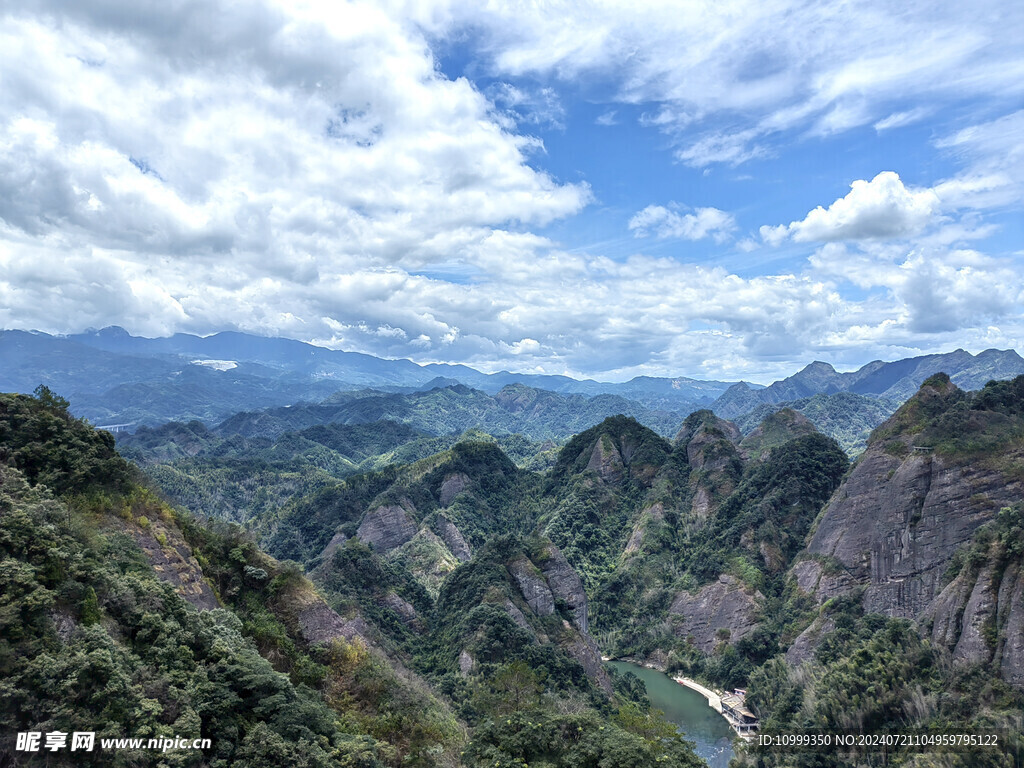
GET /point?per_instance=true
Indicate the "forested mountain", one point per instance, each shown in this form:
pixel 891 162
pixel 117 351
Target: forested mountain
pixel 122 616
pixel 112 377
pixel 912 580
pixel 534 413
pixel 845 416
pixel 444 600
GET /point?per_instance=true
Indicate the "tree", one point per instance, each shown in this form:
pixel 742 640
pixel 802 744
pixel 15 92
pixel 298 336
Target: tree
pixel 52 400
pixel 516 688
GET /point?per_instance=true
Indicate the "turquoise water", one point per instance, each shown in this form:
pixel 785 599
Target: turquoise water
pixel 689 710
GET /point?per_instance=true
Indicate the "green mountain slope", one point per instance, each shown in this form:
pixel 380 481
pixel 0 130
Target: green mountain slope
pixel 844 416
pixel 910 584
pixel 101 632
pixel 124 617
pixel 462 601
pixel 537 414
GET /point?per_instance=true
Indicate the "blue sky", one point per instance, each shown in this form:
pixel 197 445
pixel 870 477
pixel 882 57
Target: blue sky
pixel 711 189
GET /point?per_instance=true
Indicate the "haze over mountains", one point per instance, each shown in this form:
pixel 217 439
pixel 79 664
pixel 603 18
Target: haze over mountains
pixel 112 377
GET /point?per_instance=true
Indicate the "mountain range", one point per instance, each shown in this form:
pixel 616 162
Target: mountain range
pixel 451 607
pixel 114 378
pixel 895 381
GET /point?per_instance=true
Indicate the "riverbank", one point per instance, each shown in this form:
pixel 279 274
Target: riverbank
pixel 714 698
pixel 714 740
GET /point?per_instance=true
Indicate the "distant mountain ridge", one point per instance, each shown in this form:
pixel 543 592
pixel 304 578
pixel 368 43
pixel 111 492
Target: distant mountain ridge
pixel 112 377
pixel 516 408
pixel 362 369
pixel 891 381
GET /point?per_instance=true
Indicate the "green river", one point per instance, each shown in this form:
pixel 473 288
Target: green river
pixel 689 710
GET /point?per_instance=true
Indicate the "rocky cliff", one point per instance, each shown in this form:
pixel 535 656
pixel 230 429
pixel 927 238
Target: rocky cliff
pixel 933 475
pixel 545 577
pixel 712 452
pixel 387 526
pixel 724 611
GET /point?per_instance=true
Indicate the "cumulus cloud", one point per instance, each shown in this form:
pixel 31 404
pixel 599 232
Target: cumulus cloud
pixel 876 209
pixel 666 223
pixel 946 294
pixel 347 107
pixel 306 170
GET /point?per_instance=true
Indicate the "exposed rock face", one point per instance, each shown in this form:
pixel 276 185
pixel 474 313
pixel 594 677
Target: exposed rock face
pixel 607 461
pixel 1012 625
pixel 906 508
pixel 723 605
pixel 653 515
pixel 319 624
pixel 976 604
pixel 971 646
pixel 386 527
pixel 453 539
pixel 712 445
pixel 811 578
pixel 533 587
pixel 553 579
pixel 711 449
pixel 466 663
pixel 405 610
pixel 802 649
pixel 64 623
pixel 540 586
pixel 565 584
pixel 701 505
pixel 517 616
pixel 453 485
pixel 895 524
pixel 427 558
pixel 337 540
pixel 175 564
pixel 946 611
pixel 585 651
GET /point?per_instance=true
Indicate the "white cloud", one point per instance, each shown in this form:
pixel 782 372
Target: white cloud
pixel 946 294
pixel 994 152
pixel 882 208
pixel 732 148
pixel 665 223
pixel 305 170
pixel 740 72
pixel 607 118
pixel 900 119
pixel 540 106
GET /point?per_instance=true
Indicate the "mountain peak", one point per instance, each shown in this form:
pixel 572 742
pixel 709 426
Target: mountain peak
pixel 819 366
pixel 776 429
